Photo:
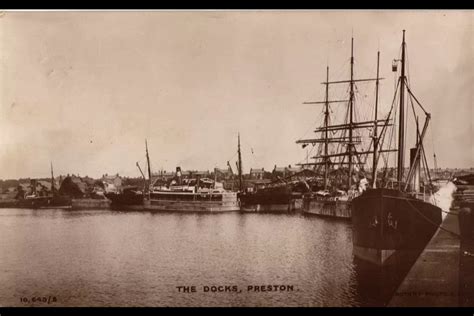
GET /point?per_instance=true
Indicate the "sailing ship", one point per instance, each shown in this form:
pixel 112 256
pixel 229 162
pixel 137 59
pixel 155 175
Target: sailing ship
pixel 343 170
pixel 395 217
pixel 183 194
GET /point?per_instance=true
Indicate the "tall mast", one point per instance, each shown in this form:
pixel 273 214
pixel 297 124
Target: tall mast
pixel 401 123
pixel 326 123
pixel 351 139
pixel 240 164
pixel 52 179
pixel 148 161
pixel 351 105
pixel 376 140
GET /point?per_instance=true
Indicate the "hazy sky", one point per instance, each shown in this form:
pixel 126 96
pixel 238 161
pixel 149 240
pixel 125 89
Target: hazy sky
pixel 84 89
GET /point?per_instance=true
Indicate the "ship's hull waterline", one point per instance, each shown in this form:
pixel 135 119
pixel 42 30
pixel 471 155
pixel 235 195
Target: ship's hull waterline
pixel 387 222
pixel 294 205
pixel 327 207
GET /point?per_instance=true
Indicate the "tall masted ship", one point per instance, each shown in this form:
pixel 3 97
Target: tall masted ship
pixel 396 217
pixel 340 160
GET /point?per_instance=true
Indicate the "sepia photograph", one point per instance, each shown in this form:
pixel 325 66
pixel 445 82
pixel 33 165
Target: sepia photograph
pixel 236 158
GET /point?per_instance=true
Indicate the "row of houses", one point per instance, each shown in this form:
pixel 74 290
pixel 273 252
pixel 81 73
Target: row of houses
pixel 73 185
pixel 227 174
pixel 115 182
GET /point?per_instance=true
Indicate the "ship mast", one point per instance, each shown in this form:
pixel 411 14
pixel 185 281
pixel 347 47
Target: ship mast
pixel 351 105
pixel 326 123
pixel 401 127
pixel 376 140
pixel 350 139
pixel 240 164
pixel 52 179
pixel 148 162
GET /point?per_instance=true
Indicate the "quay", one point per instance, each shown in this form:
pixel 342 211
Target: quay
pixel 443 274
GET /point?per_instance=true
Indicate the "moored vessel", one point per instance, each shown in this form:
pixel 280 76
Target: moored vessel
pixel 392 219
pixel 278 198
pixel 41 200
pixel 190 195
pixel 283 195
pixel 340 159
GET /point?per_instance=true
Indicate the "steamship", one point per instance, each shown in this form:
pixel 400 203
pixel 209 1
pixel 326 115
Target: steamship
pixel 396 217
pixel 190 195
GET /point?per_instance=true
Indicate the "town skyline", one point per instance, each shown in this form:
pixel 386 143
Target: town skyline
pixel 83 90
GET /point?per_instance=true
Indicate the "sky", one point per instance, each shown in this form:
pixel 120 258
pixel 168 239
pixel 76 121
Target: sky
pixel 83 90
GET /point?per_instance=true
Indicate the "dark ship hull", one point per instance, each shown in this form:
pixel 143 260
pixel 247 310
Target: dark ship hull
pixel 387 222
pixel 126 200
pixel 275 199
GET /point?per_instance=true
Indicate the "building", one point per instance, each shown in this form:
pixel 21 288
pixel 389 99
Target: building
pixel 257 174
pixel 115 180
pixel 284 172
pixel 112 183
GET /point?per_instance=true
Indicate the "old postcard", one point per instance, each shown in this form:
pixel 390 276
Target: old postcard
pixel 209 158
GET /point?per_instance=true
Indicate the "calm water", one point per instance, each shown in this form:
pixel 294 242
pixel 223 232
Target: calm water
pixel 110 258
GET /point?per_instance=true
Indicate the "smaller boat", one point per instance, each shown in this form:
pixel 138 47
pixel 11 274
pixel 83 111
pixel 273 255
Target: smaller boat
pixel 131 197
pixel 464 180
pixel 39 200
pixel 280 197
pixel 334 203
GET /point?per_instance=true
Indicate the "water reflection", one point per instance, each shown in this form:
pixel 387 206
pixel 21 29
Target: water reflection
pixel 117 258
pixel 376 285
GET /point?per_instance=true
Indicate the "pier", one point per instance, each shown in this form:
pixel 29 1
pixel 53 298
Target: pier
pixel 443 275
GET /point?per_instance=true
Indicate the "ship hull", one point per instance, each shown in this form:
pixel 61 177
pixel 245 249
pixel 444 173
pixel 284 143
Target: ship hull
pixel 387 222
pixel 46 202
pixel 328 207
pixel 293 205
pixel 123 201
pixel 279 200
pixel 192 202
